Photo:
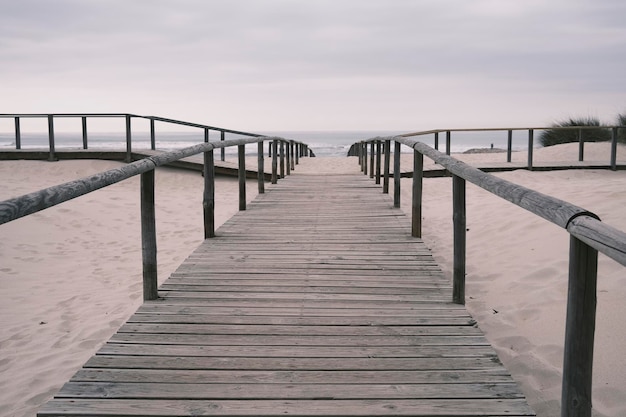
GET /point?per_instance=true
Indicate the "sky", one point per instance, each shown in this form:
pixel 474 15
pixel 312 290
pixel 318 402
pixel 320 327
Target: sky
pixel 284 65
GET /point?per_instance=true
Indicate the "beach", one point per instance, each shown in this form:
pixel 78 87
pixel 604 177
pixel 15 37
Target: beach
pixel 71 275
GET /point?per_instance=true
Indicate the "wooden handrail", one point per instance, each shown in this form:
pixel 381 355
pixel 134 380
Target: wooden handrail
pixel 588 237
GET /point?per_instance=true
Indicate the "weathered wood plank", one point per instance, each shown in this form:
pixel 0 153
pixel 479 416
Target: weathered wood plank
pixel 320 407
pixel 475 376
pixel 297 351
pixel 97 390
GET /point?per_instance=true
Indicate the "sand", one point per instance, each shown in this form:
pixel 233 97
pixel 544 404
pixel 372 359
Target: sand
pixel 71 275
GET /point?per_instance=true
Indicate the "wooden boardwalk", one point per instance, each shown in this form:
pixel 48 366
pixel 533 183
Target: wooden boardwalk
pixel 316 301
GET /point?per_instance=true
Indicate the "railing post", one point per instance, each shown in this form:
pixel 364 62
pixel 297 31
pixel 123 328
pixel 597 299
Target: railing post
pixel 128 140
pixel 364 158
pixel 282 159
pixel 581 145
pixel 84 124
pixel 206 135
pixel 18 134
pixel 223 150
pixel 437 140
pixel 386 167
pixel 274 161
pixel 579 330
pixel 378 150
pixel 371 159
pixel 448 142
pixel 153 135
pixel 288 158
pixel 208 197
pixel 269 148
pixel 241 153
pixel 292 151
pixel 509 146
pixel 298 150
pixel 148 237
pixel 51 156
pixel 459 226
pixel 261 169
pixel 614 149
pixel 418 173
pixel 396 174
pixel 530 149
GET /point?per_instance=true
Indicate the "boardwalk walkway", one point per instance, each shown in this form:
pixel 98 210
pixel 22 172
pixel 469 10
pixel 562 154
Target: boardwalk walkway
pixel 315 301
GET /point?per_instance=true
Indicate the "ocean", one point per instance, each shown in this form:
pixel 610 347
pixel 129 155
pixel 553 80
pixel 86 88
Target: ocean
pixel 323 143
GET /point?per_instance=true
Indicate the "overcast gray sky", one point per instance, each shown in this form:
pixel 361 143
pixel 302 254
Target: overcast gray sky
pixel 317 65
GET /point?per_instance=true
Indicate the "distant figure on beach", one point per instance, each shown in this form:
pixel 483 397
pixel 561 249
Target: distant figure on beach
pixel 492 146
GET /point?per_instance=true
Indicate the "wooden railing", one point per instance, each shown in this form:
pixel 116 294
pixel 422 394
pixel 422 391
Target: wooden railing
pixel 360 148
pixel 302 149
pixel 285 153
pixel 588 235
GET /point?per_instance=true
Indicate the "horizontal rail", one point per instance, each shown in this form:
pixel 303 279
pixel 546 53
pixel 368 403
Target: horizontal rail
pixel 25 205
pixel 114 115
pixel 500 129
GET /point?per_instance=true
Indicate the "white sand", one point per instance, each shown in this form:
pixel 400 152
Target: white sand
pixel 71 275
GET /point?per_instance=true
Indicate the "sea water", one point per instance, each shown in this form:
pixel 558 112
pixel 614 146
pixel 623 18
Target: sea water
pixel 322 143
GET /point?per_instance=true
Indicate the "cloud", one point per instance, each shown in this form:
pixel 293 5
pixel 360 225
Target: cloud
pixel 218 54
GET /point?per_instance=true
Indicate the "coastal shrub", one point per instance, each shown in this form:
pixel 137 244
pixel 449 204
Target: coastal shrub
pixel 621 133
pixel 556 136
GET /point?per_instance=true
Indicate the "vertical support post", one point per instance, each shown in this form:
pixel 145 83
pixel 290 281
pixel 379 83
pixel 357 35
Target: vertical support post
pixel 579 330
pixel 84 124
pixel 371 159
pixel 530 148
pixel 437 140
pixel 448 142
pixel 364 158
pixel 288 158
pixel 52 156
pixel 282 159
pixel 18 134
pixel 386 168
pixel 614 149
pixel 206 135
pixel 581 145
pixel 148 237
pixel 378 150
pixel 208 197
pixel 223 150
pixel 274 161
pixel 396 174
pixel 509 146
pixel 269 148
pixel 298 153
pixel 418 174
pixel 292 149
pixel 261 168
pixel 129 149
pixel 459 227
pixel 153 135
pixel 241 153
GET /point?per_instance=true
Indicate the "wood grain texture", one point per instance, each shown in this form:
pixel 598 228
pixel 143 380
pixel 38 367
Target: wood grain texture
pixel 307 303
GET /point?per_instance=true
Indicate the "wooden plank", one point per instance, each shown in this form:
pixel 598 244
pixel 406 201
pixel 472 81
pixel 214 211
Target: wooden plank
pixel 297 351
pixel 474 376
pixel 287 391
pixel 293 330
pixel 320 407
